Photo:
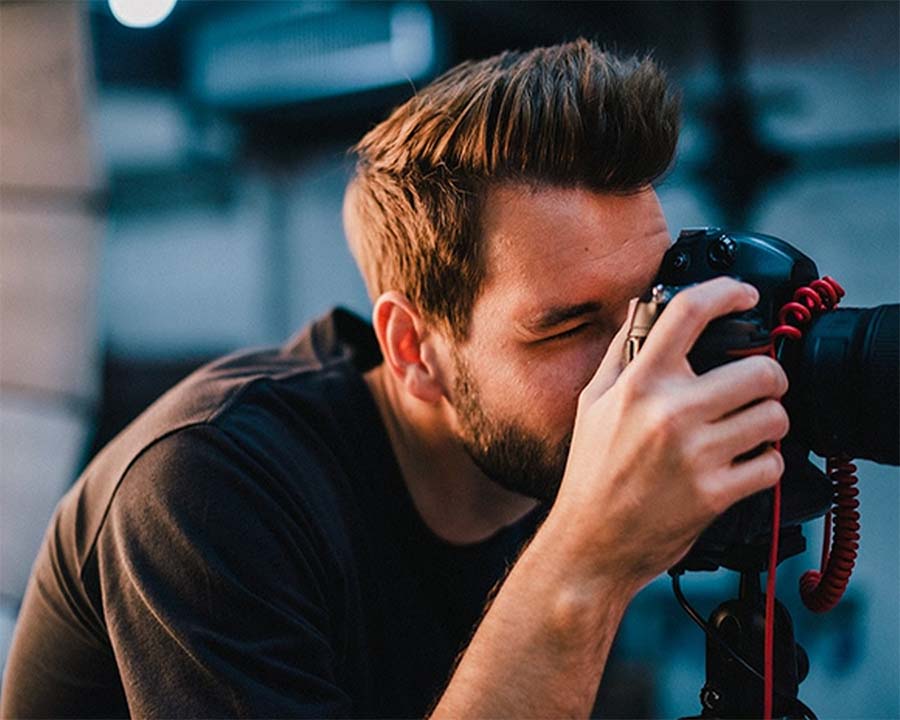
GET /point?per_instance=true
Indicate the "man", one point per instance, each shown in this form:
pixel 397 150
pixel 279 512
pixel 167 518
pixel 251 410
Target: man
pixel 316 530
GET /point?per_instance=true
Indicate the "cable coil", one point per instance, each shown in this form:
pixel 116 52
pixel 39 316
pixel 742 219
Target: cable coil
pixel 822 589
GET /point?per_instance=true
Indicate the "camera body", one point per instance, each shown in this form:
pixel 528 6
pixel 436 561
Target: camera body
pixel 739 539
pixel 843 368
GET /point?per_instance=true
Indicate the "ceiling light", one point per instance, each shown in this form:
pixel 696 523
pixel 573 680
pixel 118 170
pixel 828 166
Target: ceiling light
pixel 141 13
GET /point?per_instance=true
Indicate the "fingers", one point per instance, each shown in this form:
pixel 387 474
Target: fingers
pixel 688 314
pixel 731 386
pixel 745 478
pixel 741 432
pixel 614 360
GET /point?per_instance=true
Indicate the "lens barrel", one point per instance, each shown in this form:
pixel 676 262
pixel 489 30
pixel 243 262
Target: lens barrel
pixel 844 397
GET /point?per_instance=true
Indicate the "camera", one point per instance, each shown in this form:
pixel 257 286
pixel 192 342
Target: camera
pixel 842 365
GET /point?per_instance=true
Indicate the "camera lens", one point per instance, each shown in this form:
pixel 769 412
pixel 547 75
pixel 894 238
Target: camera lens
pixel 844 384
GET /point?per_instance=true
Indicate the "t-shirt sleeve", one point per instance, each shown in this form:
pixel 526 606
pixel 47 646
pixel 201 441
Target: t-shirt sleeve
pixel 215 587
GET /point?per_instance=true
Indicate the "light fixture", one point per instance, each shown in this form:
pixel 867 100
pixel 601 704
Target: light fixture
pixel 141 13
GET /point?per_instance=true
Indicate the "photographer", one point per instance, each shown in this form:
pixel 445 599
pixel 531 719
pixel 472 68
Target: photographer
pixel 316 530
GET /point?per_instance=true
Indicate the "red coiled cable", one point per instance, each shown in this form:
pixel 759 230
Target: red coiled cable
pixel 820 591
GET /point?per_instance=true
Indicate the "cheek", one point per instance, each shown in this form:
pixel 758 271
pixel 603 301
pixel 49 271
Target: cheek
pixel 542 390
pixel 559 379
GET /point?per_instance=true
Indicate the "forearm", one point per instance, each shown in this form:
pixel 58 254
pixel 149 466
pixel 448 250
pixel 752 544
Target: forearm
pixel 541 648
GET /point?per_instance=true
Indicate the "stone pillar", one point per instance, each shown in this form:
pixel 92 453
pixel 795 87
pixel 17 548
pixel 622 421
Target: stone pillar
pixel 50 233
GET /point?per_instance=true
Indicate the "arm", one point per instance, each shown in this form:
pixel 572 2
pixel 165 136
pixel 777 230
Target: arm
pixel 650 466
pixel 215 591
pixel 542 646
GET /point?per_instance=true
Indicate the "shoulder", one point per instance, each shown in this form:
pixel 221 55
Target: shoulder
pixel 199 498
pixel 270 422
pixel 215 570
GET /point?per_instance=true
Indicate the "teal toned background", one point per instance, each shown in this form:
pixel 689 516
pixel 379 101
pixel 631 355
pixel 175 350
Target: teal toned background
pixel 173 193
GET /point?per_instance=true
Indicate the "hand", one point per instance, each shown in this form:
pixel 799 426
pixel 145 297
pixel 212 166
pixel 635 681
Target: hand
pixel 652 460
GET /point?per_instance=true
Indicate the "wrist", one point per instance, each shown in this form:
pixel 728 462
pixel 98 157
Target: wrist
pixel 587 592
pixel 542 645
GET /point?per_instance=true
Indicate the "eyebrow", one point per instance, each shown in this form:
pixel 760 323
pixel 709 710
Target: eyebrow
pixel 553 316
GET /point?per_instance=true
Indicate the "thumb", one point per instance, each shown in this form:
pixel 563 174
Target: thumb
pixel 614 361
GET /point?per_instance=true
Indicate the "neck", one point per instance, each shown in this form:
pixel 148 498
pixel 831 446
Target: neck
pixel 454 498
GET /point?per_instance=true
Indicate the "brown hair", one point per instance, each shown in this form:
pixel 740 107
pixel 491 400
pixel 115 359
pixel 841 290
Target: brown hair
pixel 568 115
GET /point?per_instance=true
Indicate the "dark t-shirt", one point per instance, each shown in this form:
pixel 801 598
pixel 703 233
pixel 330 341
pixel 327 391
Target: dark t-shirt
pixel 247 547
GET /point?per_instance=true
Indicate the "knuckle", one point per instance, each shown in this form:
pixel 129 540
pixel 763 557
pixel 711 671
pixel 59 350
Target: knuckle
pixel 662 417
pixel 727 282
pixel 632 385
pixel 714 500
pixel 774 466
pixel 687 303
pixel 692 399
pixel 776 418
pixel 693 457
pixel 767 373
pixel 777 379
pixel 784 420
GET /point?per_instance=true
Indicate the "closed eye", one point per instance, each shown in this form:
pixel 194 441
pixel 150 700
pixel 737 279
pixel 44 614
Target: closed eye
pixel 571 332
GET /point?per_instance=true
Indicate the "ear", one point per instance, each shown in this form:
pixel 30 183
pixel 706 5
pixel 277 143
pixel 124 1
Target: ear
pixel 409 347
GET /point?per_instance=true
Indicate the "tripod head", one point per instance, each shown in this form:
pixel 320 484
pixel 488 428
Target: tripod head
pixel 734 658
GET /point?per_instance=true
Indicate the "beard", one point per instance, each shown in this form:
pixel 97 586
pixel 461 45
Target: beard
pixel 506 452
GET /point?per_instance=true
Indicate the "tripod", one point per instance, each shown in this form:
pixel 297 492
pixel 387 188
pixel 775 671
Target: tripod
pixel 734 656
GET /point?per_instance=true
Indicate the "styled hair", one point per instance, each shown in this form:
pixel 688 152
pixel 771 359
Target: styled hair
pixel 566 116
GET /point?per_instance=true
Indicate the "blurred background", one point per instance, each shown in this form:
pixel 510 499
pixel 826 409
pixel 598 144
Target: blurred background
pixel 172 192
